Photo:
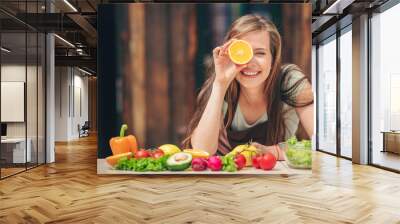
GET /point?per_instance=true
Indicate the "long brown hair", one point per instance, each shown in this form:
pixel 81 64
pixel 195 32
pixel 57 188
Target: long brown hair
pixel 274 90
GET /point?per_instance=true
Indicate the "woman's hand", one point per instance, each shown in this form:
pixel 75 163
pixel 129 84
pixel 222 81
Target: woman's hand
pixel 274 149
pixel 225 69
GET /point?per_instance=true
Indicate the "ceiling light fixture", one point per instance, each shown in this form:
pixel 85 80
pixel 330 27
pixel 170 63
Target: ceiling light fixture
pixel 5 50
pixel 65 41
pixel 337 7
pixel 70 5
pixel 84 71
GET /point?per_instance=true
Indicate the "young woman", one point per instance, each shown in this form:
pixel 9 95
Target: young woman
pixel 260 102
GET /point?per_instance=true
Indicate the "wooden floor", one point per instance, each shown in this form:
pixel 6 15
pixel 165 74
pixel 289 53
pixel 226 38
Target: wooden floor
pixel 10 171
pixel 387 159
pixel 70 191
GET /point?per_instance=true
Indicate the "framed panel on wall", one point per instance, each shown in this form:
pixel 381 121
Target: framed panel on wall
pixel 12 98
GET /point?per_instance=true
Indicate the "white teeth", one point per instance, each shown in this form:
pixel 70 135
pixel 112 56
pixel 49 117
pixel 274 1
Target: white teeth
pixel 250 73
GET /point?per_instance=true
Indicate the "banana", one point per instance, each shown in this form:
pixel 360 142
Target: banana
pixel 247 151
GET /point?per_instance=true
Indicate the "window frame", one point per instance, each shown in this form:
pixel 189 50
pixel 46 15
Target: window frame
pixel 346 27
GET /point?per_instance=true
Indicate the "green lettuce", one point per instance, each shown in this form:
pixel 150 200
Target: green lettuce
pixel 143 164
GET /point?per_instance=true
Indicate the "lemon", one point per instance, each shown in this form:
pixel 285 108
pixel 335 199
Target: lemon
pixel 169 149
pixel 197 153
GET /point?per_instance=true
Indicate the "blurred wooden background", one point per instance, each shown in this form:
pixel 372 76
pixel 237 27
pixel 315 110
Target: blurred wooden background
pixel 165 48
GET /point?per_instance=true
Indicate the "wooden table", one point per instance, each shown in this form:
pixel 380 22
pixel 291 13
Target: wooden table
pixel 391 141
pixel 14 151
pixel 281 168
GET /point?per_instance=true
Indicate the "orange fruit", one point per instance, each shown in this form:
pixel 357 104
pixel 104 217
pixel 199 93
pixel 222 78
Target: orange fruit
pixel 240 52
pixel 112 160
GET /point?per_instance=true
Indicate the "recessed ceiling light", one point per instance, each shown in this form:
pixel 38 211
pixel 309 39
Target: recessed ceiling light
pixel 84 71
pixel 337 7
pixel 5 50
pixel 70 5
pixel 65 41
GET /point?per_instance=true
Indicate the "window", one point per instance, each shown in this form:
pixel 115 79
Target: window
pixel 22 65
pixel 327 95
pixel 385 88
pixel 346 92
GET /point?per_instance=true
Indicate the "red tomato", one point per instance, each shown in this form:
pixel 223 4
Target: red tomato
pixel 256 161
pixel 240 161
pixel 142 154
pixel 157 154
pixel 267 161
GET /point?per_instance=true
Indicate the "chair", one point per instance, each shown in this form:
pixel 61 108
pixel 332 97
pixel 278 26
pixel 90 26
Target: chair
pixel 84 130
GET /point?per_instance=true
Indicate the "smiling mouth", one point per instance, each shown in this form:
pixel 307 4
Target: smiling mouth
pixel 250 74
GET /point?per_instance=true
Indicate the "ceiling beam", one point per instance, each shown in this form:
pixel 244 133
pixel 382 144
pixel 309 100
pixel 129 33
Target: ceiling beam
pixel 83 61
pixel 86 26
pixel 337 7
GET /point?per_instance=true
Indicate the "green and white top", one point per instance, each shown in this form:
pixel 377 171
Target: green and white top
pixel 291 119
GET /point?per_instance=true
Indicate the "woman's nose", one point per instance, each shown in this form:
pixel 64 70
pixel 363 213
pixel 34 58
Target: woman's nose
pixel 252 61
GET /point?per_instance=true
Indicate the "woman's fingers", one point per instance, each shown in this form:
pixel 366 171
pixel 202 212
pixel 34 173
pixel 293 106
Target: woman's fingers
pixel 226 45
pixel 222 50
pixel 258 145
pixel 216 51
pixel 272 149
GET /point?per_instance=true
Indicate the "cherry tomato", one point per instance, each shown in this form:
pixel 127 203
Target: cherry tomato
pixel 142 154
pixel 240 161
pixel 256 161
pixel 267 161
pixel 157 154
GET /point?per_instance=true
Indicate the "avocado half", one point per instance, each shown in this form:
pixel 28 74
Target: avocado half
pixel 179 161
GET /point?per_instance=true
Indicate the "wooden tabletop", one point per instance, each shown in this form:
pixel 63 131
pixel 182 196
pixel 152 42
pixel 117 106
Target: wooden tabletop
pixel 390 132
pixel 281 168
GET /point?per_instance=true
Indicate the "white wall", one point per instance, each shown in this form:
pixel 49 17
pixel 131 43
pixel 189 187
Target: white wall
pixel 71 87
pixel 13 73
pixel 33 127
pixel 61 103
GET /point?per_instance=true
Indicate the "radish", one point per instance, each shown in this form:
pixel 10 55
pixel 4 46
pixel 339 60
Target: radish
pixel 214 163
pixel 199 164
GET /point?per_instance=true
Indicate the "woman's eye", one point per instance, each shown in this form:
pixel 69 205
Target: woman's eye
pixel 260 53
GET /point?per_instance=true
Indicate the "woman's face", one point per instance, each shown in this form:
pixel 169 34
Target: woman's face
pixel 257 70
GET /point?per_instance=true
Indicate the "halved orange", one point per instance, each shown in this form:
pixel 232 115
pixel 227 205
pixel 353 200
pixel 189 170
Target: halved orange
pixel 240 52
pixel 112 160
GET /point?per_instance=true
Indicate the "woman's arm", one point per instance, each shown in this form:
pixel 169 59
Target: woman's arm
pixel 306 113
pixel 205 136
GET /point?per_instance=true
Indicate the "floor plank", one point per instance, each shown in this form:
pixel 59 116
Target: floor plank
pixel 70 191
pixel 387 159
